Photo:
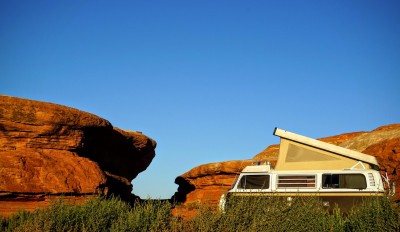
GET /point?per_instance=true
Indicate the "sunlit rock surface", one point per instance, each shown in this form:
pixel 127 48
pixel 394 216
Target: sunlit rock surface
pixel 48 150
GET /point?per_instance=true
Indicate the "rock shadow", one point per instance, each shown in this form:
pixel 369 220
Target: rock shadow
pixel 183 190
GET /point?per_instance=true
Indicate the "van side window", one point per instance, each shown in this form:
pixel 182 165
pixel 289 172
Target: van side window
pixel 296 181
pixel 254 182
pixel 348 181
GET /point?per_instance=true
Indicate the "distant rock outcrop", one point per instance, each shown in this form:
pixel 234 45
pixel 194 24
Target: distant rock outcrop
pixel 48 150
pixel 207 182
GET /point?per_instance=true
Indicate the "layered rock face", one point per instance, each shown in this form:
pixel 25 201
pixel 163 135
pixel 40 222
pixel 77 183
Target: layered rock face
pixel 207 182
pixel 384 144
pixel 48 150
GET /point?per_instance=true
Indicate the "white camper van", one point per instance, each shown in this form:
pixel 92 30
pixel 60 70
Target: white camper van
pixel 308 167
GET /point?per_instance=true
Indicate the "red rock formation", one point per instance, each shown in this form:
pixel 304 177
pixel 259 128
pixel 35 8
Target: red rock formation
pixel 270 153
pixel 384 144
pixel 206 183
pixel 48 150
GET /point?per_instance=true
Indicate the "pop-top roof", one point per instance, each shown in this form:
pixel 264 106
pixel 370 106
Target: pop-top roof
pixel 300 152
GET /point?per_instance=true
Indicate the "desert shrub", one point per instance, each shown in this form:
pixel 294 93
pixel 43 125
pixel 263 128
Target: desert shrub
pixel 206 219
pixel 98 214
pixel 260 214
pixel 242 214
pixel 373 214
pixel 336 220
pixel 3 223
pixel 298 214
pixel 146 216
pixel 272 214
pixel 14 221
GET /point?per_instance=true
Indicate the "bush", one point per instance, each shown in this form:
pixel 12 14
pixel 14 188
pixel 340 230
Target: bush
pixel 146 216
pixel 243 214
pixel 260 214
pixel 374 214
pixel 95 215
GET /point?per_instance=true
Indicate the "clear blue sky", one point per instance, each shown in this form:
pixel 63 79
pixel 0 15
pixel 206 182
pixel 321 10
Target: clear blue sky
pixel 208 80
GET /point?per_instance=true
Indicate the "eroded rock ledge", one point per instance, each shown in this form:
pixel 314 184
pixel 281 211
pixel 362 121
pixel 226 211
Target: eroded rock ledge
pixel 48 150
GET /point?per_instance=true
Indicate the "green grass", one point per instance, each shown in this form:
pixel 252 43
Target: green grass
pixel 243 214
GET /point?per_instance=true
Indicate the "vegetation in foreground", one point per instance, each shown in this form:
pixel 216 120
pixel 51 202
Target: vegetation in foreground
pixel 275 214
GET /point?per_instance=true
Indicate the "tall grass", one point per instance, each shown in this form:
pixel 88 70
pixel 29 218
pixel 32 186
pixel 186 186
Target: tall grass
pixel 95 215
pixel 259 214
pixel 242 214
pixel 374 215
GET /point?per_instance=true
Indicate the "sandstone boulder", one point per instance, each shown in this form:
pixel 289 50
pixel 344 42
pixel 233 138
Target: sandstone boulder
pixel 205 184
pixel 48 150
